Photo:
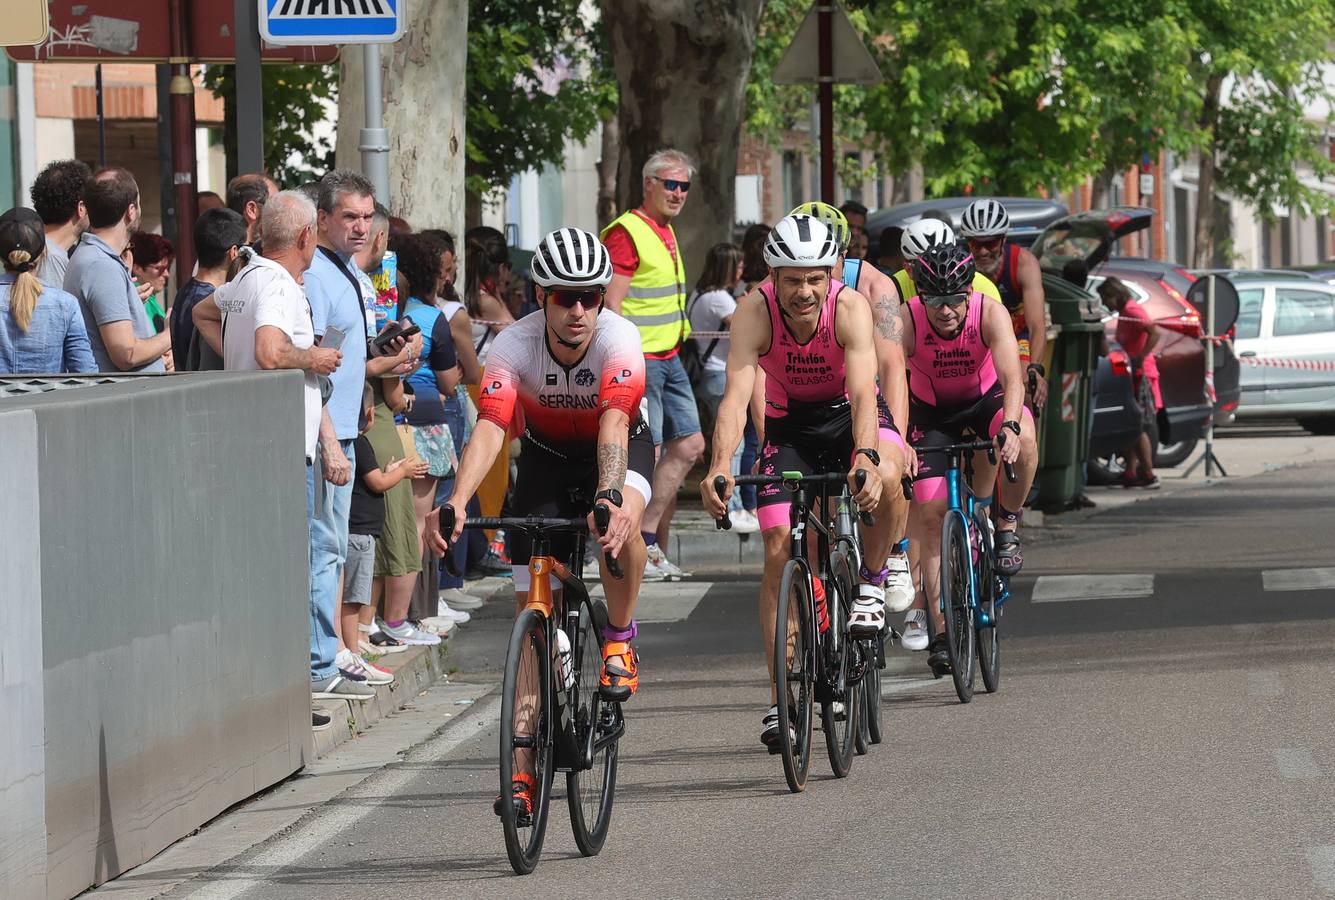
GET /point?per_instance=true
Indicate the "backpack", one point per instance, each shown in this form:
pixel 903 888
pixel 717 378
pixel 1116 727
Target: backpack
pixel 692 357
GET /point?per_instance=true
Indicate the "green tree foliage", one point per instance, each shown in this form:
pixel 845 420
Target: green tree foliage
pixel 296 100
pixel 537 80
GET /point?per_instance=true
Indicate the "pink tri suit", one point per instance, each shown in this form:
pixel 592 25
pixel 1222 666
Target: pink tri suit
pixel 953 388
pixel 808 417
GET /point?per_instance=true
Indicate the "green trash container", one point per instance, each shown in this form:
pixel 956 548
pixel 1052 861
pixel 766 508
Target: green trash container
pixel 1063 444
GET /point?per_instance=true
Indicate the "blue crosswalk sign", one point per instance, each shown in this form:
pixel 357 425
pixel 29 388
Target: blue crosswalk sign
pixel 331 21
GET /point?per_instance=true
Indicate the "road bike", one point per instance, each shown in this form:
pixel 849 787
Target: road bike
pixel 553 718
pixel 972 590
pixel 814 665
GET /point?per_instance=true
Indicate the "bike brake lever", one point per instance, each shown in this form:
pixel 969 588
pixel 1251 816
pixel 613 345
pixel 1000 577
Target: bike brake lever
pixel 1010 472
pixel 602 517
pixel 907 484
pixel 447 530
pixel 720 488
pixel 860 477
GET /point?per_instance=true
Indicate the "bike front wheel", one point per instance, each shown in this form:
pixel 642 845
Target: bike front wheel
pixel 989 642
pixel 795 672
pixel 956 566
pixel 841 706
pixel 591 785
pixel 526 737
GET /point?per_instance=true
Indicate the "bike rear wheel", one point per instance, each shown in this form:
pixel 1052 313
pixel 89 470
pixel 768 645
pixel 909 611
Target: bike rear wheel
pixel 956 564
pixel 841 707
pixel 598 726
pixel 526 736
pixel 989 643
pixel 795 672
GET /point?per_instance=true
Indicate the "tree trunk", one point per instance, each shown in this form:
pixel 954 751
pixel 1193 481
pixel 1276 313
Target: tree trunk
pixel 682 69
pixel 1203 246
pixel 610 147
pixel 1101 189
pixel 423 78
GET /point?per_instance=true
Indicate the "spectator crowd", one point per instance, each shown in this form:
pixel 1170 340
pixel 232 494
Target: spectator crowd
pixel 324 280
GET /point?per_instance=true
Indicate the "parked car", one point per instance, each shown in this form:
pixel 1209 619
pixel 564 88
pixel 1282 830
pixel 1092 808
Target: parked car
pixel 1163 289
pixel 1091 237
pixel 1029 215
pixel 1288 321
pixel 1323 271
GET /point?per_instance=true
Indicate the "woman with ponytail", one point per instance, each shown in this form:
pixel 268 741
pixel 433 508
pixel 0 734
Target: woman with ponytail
pixel 41 328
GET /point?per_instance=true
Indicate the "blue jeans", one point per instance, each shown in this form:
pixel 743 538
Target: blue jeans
pixel 750 450
pixel 454 417
pixel 328 509
pixel 672 412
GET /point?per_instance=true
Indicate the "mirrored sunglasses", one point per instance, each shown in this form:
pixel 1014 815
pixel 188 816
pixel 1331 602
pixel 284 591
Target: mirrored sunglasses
pixel 951 300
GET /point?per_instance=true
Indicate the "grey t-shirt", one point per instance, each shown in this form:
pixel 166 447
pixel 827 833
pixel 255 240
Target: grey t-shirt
pixel 52 269
pixel 100 281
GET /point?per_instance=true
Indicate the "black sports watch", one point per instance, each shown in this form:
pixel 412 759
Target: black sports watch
pixel 1012 425
pixel 870 454
pixel 611 495
pixel 1038 367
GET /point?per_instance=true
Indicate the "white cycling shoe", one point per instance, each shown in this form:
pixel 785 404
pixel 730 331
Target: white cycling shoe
pixel 899 586
pixel 915 630
pixel 867 617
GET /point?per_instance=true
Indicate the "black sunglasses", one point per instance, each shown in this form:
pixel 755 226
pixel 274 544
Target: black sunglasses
pixel 566 299
pixel 984 243
pixel 673 184
pixel 951 300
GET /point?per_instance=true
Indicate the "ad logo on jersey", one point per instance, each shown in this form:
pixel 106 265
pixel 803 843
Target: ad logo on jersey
pixel 551 378
pixel 622 378
pixel 489 389
pixel 584 377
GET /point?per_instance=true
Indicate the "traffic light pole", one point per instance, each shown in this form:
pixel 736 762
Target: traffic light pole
pixel 374 139
pixel 249 89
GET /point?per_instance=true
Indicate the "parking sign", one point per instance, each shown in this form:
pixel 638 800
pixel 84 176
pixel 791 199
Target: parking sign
pixel 331 21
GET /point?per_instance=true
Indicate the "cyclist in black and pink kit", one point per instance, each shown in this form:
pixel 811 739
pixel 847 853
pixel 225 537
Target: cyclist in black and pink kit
pixel 812 336
pixel 964 377
pixel 570 378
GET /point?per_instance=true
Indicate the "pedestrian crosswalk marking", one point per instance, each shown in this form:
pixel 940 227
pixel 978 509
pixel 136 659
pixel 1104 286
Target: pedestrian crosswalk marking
pixel 1065 588
pixel 666 601
pixel 1295 762
pixel 1298 579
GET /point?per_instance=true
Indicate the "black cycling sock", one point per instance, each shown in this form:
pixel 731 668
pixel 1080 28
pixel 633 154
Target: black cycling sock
pixel 649 537
pixel 1005 515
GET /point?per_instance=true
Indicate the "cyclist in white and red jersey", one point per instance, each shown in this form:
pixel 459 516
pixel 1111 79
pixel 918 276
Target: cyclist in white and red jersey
pixel 812 337
pixel 964 376
pixel 570 377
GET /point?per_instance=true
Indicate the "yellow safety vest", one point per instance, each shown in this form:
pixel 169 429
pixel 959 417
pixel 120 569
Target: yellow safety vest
pixel 981 283
pixel 656 301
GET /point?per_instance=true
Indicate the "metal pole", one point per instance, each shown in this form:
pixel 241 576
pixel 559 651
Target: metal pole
pixel 101 120
pixel 825 90
pixel 374 139
pixel 249 89
pixel 182 90
pixel 1209 367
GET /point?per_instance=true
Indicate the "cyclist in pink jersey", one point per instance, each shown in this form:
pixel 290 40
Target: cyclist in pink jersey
pixel 964 377
pixel 812 336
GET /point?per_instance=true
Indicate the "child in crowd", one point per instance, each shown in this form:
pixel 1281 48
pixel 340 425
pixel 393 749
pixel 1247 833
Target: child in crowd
pixel 366 519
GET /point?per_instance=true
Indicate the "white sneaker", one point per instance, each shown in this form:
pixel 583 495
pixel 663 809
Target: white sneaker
pixel 659 559
pixel 351 662
pixel 867 617
pixel 744 522
pixel 652 571
pixel 438 625
pixel 409 633
pixel 899 586
pixel 459 600
pixel 915 630
pixel 445 611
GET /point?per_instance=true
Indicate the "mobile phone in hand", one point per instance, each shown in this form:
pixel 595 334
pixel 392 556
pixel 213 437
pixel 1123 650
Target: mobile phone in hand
pixel 333 338
pixel 397 330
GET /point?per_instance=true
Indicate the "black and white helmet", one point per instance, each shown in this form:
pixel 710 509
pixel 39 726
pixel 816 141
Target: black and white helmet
pixel 922 234
pixel 985 218
pixel 943 269
pixel 801 241
pixel 571 258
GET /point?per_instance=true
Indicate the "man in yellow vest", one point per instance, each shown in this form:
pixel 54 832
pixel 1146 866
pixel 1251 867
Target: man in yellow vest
pixel 649 288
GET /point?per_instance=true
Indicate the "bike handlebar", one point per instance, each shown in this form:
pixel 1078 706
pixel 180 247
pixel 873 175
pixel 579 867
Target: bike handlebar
pixel 978 446
pixel 529 524
pixel 721 487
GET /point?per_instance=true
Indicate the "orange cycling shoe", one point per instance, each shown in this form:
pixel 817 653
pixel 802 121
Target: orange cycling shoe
pixel 621 671
pixel 521 795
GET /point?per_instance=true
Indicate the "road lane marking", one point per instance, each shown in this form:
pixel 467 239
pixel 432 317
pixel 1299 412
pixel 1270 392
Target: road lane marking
pixel 1298 579
pixel 1264 684
pixel 1295 762
pixel 666 601
pixel 1065 588
pixel 1322 862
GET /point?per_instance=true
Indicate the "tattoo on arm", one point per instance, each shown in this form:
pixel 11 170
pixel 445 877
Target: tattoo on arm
pixel 888 323
pixel 611 466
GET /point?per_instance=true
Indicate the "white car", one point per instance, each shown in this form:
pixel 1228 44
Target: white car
pixel 1285 340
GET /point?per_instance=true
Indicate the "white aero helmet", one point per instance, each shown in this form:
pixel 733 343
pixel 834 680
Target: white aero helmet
pixel 571 258
pixel 985 218
pixel 803 242
pixel 923 234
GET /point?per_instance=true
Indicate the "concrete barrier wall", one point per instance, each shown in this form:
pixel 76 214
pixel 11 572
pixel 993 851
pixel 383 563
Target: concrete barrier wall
pixel 174 608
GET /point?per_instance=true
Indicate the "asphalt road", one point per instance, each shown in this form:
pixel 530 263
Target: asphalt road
pixel 1175 740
